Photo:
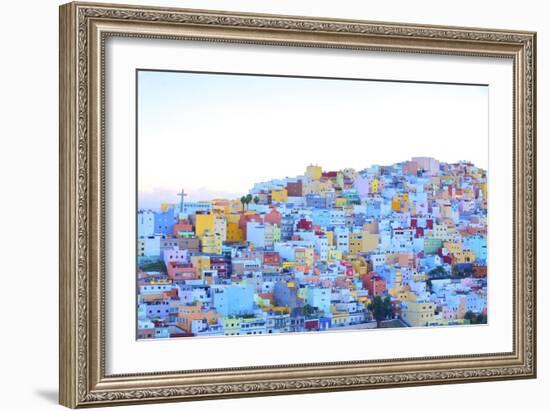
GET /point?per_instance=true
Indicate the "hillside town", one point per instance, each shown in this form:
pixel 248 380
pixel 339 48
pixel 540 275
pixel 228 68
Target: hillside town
pixel 403 245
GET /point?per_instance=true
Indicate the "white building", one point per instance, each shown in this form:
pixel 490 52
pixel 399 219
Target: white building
pixel 341 239
pixel 154 289
pixel 337 217
pixel 175 254
pixel 145 223
pixel 319 298
pixel 261 235
pixel 320 243
pixel 189 296
pixel 149 246
pixel 190 208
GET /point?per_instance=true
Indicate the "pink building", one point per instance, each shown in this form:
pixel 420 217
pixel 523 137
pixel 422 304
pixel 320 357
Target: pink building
pixel 410 167
pixel 431 165
pixel 362 185
pixel 273 217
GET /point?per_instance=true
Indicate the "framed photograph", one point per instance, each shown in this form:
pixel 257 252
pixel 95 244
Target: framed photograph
pixel 260 204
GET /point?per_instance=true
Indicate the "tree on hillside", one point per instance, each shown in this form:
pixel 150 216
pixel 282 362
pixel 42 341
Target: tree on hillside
pixel 159 266
pixel 437 273
pixel 380 308
pixel 429 285
pixel 256 199
pixel 475 318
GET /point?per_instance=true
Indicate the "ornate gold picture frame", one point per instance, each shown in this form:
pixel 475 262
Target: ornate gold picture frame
pixel 84 29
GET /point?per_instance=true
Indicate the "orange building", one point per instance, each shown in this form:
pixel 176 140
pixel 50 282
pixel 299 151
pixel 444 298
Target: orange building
pixel 181 271
pixel 374 283
pixel 182 226
pixel 189 313
pixel 245 219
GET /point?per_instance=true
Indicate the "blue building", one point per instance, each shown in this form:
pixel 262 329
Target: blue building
pixel 316 201
pixel 373 209
pixel 478 244
pixel 287 227
pixel 234 299
pixel 164 221
pixel 321 217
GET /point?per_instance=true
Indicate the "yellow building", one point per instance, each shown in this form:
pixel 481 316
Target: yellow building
pixel 374 185
pixel 211 243
pixel 453 246
pixel 340 202
pixel 418 313
pixel 203 223
pixel 211 222
pixel 355 240
pixel 200 262
pixel 304 256
pixel 314 172
pixel 464 257
pixel 396 203
pixel 279 196
pixel 234 232
pixel 362 242
pixel 165 206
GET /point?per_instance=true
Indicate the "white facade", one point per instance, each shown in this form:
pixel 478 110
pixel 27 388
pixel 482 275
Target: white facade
pixel 341 239
pixel 154 288
pixel 149 246
pixel 320 243
pixel 190 208
pixel 319 298
pixel 261 235
pixel 175 254
pixel 337 217
pixel 145 223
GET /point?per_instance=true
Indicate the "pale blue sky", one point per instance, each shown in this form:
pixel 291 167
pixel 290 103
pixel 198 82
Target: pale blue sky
pixel 217 134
